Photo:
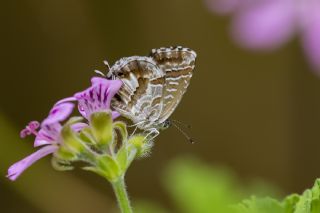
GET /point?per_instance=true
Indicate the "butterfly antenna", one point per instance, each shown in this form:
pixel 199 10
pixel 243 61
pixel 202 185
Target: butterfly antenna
pixel 180 123
pixel 183 133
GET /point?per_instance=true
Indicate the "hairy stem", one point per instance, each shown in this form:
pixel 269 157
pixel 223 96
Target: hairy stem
pixel 122 195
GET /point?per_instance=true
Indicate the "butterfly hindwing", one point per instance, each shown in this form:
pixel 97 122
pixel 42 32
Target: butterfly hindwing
pixel 178 64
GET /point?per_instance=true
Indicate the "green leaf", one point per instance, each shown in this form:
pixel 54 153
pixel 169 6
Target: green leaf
pixel 101 123
pixel 290 202
pixel 308 202
pixel 260 205
pixel 315 206
pixel 304 204
pixel 316 189
pixel 197 188
pixel 147 207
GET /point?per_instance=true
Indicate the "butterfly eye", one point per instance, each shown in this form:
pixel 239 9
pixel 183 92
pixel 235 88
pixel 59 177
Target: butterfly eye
pixel 166 124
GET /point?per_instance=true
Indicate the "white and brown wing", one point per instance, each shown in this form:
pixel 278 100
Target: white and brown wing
pixel 139 99
pixel 178 64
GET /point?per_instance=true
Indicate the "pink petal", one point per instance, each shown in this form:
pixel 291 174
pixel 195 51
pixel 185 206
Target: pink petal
pixel 113 89
pixel 265 24
pixel 49 134
pixel 58 113
pixel 98 96
pixel 82 111
pixel 79 126
pixel 115 114
pixel 66 100
pixel 99 80
pixel 16 169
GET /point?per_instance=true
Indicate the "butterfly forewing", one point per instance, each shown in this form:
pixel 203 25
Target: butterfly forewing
pixel 139 97
pixel 152 86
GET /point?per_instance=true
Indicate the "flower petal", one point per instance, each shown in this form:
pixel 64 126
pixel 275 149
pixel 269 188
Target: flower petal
pixel 115 114
pixel 98 96
pixel 66 100
pixel 48 134
pixel 58 113
pixel 265 24
pixel 16 169
pixel 78 126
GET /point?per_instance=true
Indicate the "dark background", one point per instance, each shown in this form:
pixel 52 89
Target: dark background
pixel 257 113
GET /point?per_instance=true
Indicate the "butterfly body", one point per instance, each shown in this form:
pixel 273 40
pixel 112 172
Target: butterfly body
pixel 152 85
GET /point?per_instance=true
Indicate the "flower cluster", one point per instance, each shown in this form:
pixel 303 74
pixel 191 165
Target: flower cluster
pixel 93 138
pixel 267 24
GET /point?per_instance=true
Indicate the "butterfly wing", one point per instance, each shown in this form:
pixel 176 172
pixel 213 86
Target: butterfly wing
pixel 139 99
pixel 178 64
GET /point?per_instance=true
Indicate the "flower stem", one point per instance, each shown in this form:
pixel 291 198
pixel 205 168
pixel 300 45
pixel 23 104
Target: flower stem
pixel 122 195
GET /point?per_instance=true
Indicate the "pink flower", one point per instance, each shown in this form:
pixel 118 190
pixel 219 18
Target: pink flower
pixel 97 97
pixel 268 24
pixel 48 137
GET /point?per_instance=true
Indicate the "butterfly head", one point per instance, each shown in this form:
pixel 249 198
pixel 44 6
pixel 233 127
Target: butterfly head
pixel 165 125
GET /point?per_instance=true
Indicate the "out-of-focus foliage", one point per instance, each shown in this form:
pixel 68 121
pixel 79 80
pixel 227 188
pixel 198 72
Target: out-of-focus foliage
pixel 196 187
pixel 147 207
pixel 308 202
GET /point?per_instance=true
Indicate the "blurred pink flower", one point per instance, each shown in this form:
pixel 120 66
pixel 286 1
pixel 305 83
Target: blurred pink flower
pixel 267 24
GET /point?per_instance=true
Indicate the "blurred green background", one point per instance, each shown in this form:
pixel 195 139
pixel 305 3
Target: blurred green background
pixel 257 114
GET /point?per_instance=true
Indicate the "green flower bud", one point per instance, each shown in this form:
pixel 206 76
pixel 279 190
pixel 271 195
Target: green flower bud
pixel 101 127
pixel 122 128
pixel 73 148
pixel 65 154
pixel 61 165
pixel 71 141
pixel 107 167
pixel 87 136
pixel 125 156
pixel 139 143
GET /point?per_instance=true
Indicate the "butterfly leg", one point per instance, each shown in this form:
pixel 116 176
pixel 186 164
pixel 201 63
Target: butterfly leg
pixel 134 131
pixel 152 134
pixel 136 127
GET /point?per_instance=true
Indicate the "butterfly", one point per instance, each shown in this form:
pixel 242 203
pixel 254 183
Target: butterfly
pixel 152 86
